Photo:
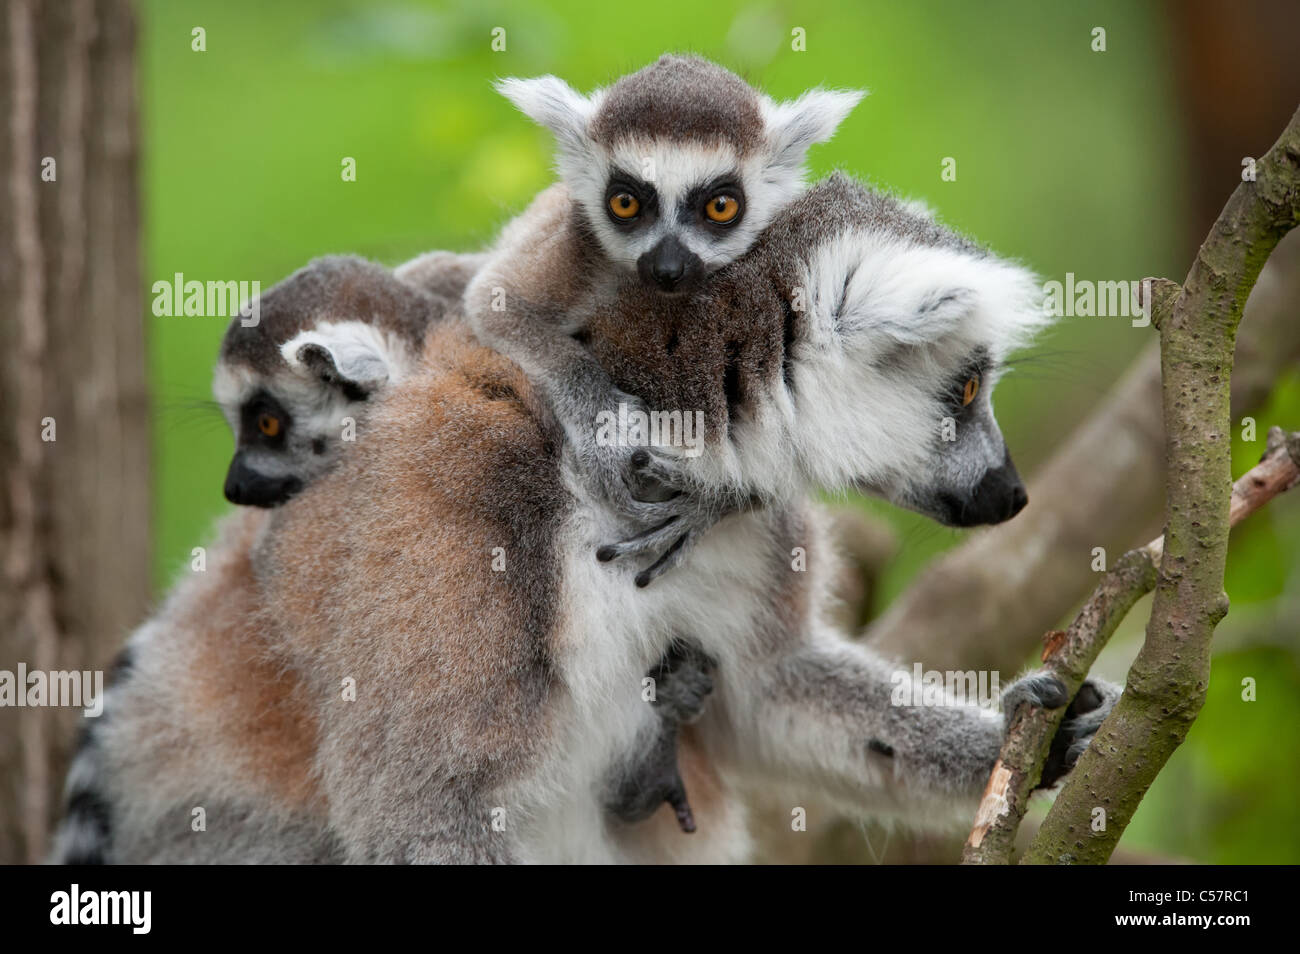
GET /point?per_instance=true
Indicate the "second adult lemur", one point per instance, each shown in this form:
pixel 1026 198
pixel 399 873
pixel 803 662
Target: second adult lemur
pixel 329 338
pixel 667 175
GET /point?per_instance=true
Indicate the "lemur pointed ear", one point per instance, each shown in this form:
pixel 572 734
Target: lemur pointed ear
pixel 795 125
pixel 911 296
pixel 551 102
pixel 350 356
pixel 929 315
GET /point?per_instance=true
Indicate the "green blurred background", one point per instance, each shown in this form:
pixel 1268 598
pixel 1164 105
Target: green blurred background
pixel 1067 159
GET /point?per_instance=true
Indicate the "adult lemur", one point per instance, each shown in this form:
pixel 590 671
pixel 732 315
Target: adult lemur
pixel 668 175
pixel 399 699
pixel 331 338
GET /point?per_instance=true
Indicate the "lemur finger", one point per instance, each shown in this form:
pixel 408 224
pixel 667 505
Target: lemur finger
pixel 1065 752
pixel 1090 708
pixel 652 540
pixel 654 479
pixel 1089 697
pixel 1095 695
pixel 671 557
pixel 1040 689
pixel 652 513
pixel 676 797
pixel 1093 703
pixel 647 489
pixel 680 695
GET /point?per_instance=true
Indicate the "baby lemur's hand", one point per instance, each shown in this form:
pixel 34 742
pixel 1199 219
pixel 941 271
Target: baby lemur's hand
pixel 669 518
pixel 683 679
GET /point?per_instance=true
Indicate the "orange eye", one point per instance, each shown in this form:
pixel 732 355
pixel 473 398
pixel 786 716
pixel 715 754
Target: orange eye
pixel 624 205
pixel 268 424
pixel 972 388
pixel 722 209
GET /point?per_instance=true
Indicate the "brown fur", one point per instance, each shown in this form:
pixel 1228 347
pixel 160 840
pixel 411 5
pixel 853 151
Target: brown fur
pixel 550 265
pixel 471 458
pixel 681 98
pixel 236 681
pixel 207 704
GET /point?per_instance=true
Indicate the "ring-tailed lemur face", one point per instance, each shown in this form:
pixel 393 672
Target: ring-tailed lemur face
pixel 293 386
pixel 288 430
pixel 691 211
pixel 680 166
pixel 894 370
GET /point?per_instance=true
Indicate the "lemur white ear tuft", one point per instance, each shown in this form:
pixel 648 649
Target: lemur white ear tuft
pixel 931 315
pixel 911 295
pixel 351 356
pixel 551 102
pixel 794 126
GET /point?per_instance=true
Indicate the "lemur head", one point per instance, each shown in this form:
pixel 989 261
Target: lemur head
pixel 856 347
pixel 905 330
pixel 327 339
pixel 678 168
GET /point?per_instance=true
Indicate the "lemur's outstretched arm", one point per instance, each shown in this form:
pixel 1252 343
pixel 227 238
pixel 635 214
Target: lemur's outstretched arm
pixel 830 715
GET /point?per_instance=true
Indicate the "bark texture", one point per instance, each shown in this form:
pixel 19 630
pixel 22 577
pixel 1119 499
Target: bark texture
pixel 74 511
pixel 1166 685
pixel 1070 656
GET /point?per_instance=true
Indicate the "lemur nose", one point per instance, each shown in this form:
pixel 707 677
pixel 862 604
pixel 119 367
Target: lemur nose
pixel 999 496
pixel 249 487
pixel 670 265
pixel 669 273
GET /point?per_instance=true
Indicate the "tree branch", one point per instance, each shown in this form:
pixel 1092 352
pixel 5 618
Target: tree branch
pixel 1166 684
pixel 1071 654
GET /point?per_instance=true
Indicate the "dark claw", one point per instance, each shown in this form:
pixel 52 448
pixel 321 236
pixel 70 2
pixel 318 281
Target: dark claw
pixel 606 553
pixel 650 573
pixel 682 809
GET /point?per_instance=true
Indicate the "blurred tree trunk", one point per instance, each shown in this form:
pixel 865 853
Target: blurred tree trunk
pixel 74 511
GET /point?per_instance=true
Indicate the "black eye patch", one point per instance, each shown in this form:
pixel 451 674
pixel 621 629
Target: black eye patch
pixel 263 421
pixel 695 201
pixel 975 368
pixel 642 193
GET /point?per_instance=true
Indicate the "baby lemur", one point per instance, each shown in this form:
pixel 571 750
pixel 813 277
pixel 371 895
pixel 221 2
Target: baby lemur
pixel 329 338
pixel 669 174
